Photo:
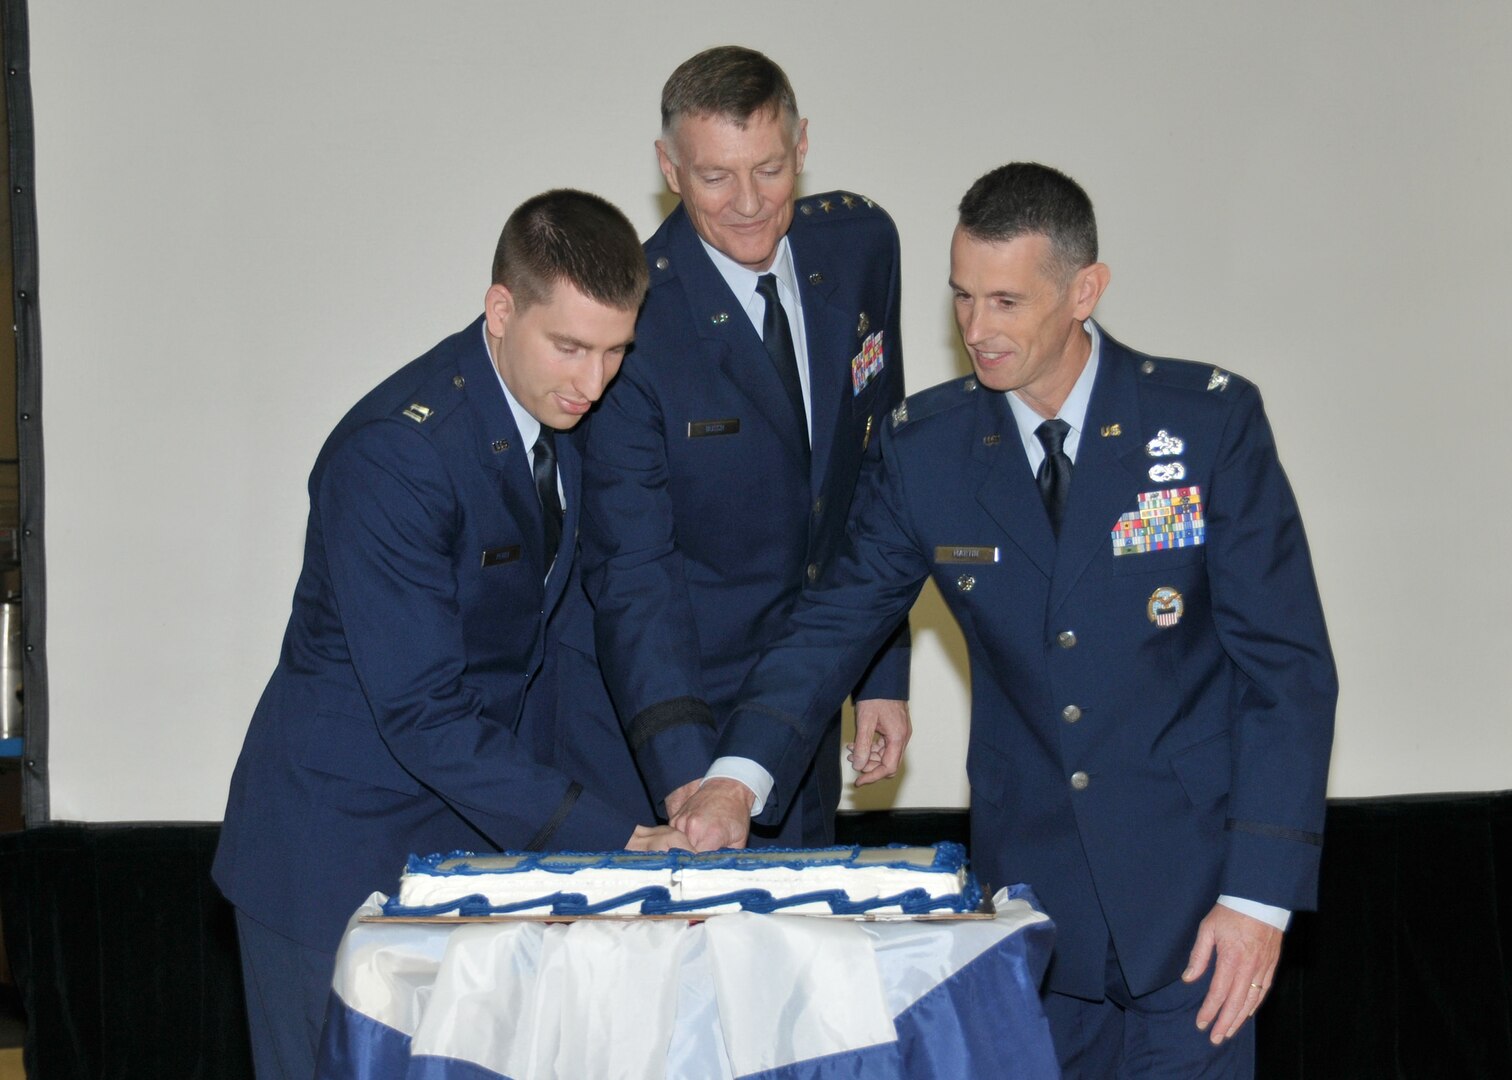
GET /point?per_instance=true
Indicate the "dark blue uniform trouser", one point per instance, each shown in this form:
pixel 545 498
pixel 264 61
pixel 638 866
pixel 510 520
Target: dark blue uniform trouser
pixel 287 987
pixel 1150 1037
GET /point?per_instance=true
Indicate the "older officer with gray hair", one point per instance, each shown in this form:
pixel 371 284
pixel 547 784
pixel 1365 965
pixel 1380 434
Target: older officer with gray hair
pixel 721 466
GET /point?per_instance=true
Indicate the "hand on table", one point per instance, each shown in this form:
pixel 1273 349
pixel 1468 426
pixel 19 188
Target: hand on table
pixel 1247 953
pixel 882 731
pixel 717 815
pixel 657 838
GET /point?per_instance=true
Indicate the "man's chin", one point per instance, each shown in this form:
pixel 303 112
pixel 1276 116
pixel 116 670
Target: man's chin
pixel 752 254
pixel 993 380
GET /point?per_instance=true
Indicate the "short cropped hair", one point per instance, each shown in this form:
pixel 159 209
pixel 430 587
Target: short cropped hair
pixel 727 81
pixel 1025 198
pixel 572 236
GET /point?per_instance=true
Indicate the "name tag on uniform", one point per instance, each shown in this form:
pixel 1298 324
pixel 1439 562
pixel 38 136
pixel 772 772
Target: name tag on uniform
pixel 699 429
pixel 966 554
pixel 500 555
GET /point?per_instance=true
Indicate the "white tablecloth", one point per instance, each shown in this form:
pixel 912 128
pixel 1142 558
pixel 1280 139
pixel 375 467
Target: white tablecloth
pixel 736 996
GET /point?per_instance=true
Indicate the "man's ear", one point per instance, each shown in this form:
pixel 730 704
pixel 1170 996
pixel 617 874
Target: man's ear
pixel 668 166
pixel 1087 288
pixel 498 308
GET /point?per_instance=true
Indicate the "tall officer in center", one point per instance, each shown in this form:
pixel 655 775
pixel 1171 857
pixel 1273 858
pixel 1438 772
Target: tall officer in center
pixel 720 467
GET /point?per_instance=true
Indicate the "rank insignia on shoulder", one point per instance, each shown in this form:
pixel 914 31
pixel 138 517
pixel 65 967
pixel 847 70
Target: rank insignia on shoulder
pixel 1165 607
pixel 1218 380
pixel 900 414
pixel 417 412
pixel 1164 444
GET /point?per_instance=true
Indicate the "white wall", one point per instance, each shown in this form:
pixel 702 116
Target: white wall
pixel 249 213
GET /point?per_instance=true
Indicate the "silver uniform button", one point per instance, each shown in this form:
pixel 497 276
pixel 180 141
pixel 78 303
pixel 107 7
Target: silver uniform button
pixel 661 263
pixel 965 582
pixel 1148 367
pixel 813 571
pixel 819 505
pixel 1080 780
pixel 1067 638
pixel 1071 713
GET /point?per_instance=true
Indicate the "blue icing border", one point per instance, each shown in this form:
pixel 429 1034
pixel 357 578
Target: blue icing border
pixel 948 857
pixel 656 899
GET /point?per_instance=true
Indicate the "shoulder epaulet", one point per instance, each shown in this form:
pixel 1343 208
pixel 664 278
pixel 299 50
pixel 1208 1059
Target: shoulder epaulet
pixel 432 400
pixel 937 399
pixel 660 266
pixel 1187 374
pixel 838 206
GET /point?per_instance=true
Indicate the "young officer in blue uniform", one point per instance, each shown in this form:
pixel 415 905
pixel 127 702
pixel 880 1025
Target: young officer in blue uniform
pixel 721 467
pixel 436 552
pixel 1152 687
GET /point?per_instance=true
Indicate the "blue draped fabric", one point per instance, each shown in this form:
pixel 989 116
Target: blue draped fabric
pixel 977 1014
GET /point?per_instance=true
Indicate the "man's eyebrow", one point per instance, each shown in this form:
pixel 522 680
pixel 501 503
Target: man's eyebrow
pixel 1008 294
pixel 578 343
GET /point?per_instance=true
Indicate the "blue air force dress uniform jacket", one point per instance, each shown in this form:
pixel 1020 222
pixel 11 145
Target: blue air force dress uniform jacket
pixel 1152 697
pixel 707 512
pixel 391 724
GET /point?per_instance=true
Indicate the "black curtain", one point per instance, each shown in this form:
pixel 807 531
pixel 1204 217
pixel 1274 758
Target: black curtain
pixel 126 957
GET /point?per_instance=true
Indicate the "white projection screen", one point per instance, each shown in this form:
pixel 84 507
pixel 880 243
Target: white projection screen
pixel 248 214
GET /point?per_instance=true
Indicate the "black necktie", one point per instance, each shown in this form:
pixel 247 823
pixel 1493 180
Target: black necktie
pixel 543 465
pixel 777 335
pixel 1054 475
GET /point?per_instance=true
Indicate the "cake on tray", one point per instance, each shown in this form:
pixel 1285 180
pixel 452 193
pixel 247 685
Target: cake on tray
pixel 826 881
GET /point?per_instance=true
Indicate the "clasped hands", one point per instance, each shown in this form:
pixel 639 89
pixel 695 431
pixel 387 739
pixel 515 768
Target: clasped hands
pixel 716 813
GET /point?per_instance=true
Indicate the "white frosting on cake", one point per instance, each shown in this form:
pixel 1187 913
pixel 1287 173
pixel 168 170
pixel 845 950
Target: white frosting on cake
pixel 504 881
pixel 853 879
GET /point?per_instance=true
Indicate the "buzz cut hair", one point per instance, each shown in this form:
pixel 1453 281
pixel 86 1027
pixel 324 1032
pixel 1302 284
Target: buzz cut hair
pixel 576 237
pixel 1026 198
pixel 730 82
